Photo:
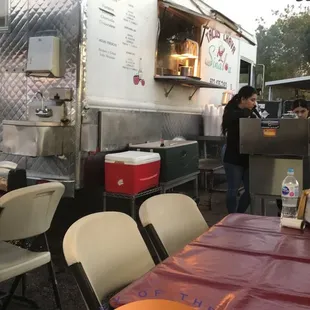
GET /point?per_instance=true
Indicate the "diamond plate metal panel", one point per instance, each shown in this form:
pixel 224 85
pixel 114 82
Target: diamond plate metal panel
pixel 179 124
pixel 32 18
pixel 119 128
pixel 13 44
pixel 80 108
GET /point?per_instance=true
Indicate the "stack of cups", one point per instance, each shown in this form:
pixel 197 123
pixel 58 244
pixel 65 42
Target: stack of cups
pixel 212 120
pixel 220 117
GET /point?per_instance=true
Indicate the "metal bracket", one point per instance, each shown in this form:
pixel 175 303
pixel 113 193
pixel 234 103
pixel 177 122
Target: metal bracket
pixel 192 95
pixel 197 6
pixel 203 36
pixel 169 91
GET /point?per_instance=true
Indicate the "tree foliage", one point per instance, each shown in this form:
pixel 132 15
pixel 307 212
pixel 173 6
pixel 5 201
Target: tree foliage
pixel 284 47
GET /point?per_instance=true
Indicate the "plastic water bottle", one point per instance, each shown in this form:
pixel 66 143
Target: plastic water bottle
pixel 290 195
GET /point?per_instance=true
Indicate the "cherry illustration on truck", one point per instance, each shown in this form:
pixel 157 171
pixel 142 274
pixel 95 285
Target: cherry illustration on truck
pixel 137 78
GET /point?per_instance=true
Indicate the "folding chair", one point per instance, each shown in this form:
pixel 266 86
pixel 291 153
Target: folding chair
pixel 171 221
pixel 105 252
pixel 25 213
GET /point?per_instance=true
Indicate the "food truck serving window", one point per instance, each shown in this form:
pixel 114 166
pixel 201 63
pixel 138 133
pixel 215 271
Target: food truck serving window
pixel 4 14
pixel 178 45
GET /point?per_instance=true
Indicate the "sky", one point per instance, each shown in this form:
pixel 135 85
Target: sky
pixel 245 12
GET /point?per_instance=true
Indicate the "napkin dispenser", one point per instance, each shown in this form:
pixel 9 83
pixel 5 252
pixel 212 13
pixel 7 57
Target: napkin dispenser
pixel 303 214
pixel 304 206
pixel 307 211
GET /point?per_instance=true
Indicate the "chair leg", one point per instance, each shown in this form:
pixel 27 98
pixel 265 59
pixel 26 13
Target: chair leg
pixel 204 180
pixel 24 285
pixel 53 278
pixel 55 285
pixel 10 295
pixel 21 299
pixel 210 185
pixel 25 300
pixel 3 295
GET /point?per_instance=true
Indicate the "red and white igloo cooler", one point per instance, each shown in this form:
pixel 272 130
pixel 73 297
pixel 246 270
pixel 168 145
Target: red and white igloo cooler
pixel 131 172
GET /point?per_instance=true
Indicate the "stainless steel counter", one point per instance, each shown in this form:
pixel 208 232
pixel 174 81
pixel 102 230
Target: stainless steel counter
pixel 29 138
pixel 274 146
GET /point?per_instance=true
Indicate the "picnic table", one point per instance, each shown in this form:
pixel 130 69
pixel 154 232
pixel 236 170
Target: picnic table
pixel 243 262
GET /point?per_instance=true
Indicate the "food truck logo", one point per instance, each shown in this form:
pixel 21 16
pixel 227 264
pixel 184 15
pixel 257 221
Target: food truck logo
pixel 218 52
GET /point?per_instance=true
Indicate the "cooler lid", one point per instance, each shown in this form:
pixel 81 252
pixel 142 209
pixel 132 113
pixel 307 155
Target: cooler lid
pixel 167 143
pixel 132 157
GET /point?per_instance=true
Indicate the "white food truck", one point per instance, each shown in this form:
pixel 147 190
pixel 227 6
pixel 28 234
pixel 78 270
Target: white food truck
pixel 87 76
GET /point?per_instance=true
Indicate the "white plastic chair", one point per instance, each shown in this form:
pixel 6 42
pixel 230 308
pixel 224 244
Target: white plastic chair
pixel 171 221
pixel 105 252
pixel 26 213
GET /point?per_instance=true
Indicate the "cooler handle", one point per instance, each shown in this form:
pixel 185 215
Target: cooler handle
pixel 149 178
pixel 183 154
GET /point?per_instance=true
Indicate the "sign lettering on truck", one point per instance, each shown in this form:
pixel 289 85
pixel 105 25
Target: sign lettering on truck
pixel 221 59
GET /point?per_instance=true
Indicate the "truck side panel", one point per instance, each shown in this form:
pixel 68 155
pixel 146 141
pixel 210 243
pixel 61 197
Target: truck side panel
pixel 32 18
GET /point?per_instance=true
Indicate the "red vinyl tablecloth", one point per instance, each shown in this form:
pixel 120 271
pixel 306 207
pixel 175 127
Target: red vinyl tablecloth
pixel 243 262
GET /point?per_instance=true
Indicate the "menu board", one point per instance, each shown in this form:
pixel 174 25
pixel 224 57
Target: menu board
pixel 121 45
pixel 114 45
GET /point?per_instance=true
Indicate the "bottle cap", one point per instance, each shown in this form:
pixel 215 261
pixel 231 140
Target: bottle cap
pixel 290 171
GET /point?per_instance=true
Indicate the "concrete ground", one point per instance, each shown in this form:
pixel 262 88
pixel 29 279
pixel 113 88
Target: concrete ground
pixel 39 288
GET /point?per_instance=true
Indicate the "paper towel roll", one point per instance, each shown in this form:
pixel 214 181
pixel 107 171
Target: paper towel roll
pixel 293 223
